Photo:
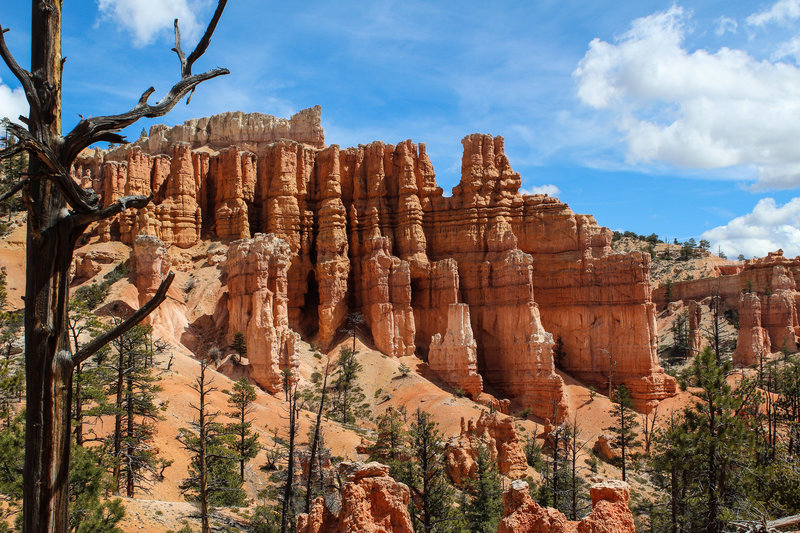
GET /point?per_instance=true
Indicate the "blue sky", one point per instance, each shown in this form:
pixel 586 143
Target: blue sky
pixel 678 119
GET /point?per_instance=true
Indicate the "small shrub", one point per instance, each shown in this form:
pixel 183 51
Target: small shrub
pixel 458 392
pixel 404 370
pixel 525 413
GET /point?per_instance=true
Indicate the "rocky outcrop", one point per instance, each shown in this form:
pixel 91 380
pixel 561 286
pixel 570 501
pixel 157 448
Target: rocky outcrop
pixel 453 357
pixel 496 433
pixel 150 264
pixel 753 341
pixel 695 333
pixel 256 270
pixel 372 502
pixel 610 512
pixel 369 231
pixel 764 292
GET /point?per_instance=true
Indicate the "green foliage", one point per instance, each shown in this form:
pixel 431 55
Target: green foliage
pixel 404 370
pixel 132 387
pixel 87 513
pixel 346 395
pixel 239 345
pixel 484 507
pixel 623 428
pixel 224 483
pixel 704 460
pixel 245 444
pixel 391 446
pixel 11 172
pixel 431 505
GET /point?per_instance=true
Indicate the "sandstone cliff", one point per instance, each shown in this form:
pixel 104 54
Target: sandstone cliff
pixel 368 230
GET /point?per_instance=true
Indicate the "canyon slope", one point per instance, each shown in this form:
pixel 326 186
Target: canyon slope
pixel 485 281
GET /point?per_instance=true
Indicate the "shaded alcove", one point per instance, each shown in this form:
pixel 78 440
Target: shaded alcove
pixel 309 322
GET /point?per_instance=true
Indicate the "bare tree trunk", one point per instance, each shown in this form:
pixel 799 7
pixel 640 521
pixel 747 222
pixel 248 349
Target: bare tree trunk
pixel 58 212
pixel 205 526
pixel 315 441
pixel 117 441
pixel 288 489
pixel 48 362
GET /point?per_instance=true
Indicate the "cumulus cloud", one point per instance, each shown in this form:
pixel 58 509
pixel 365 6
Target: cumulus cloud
pixel 147 19
pixel 548 189
pixel 767 228
pixel 12 102
pixel 695 109
pixel 780 12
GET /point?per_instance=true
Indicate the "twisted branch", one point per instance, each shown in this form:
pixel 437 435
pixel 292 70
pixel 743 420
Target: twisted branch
pixel 123 327
pixel 123 203
pixel 24 77
pixel 104 128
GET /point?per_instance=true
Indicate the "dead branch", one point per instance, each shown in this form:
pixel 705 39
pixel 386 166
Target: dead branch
pixel 24 77
pixel 123 203
pixel 121 328
pixel 104 128
pixel 13 190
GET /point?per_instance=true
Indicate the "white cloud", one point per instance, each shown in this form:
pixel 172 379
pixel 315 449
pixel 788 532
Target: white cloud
pixel 548 189
pixel 695 109
pixel 767 228
pixel 725 25
pixel 781 12
pixel 12 102
pixel 147 19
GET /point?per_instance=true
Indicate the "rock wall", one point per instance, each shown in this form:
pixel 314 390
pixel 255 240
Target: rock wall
pixel 256 269
pixel 496 432
pixel 369 231
pixel 372 502
pixel 610 512
pixel 764 292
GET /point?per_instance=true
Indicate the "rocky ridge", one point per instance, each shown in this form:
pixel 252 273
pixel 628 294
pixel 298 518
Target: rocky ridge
pixel 368 230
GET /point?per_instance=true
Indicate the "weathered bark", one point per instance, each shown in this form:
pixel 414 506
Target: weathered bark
pixel 59 211
pixel 315 441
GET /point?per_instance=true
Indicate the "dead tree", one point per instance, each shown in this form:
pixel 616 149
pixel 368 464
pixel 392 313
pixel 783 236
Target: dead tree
pixel 315 439
pixel 59 211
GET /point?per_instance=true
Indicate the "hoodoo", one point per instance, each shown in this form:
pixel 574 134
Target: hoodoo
pixel 368 230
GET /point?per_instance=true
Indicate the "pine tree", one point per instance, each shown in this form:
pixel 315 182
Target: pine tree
pixel 134 387
pixel 431 505
pixel 240 399
pixel 391 445
pixel 484 507
pixel 624 425
pixel 87 384
pixel 347 396
pixel 239 345
pixel 213 477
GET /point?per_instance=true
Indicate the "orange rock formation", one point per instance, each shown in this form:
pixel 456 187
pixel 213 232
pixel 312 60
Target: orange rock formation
pixel 454 357
pixel 494 431
pixel 765 293
pixel 610 512
pixel 256 271
pixel 369 230
pixel 372 502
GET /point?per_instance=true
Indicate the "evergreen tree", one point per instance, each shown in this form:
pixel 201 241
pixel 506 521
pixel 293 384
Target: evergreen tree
pixel 240 400
pixel 347 396
pixel 213 477
pixel 239 345
pixel 431 505
pixel 134 387
pixel 484 508
pixel 391 445
pixel 88 387
pixel 625 436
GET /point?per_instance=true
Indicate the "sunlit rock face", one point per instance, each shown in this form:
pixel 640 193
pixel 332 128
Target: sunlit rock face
pixel 764 291
pixel 369 231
